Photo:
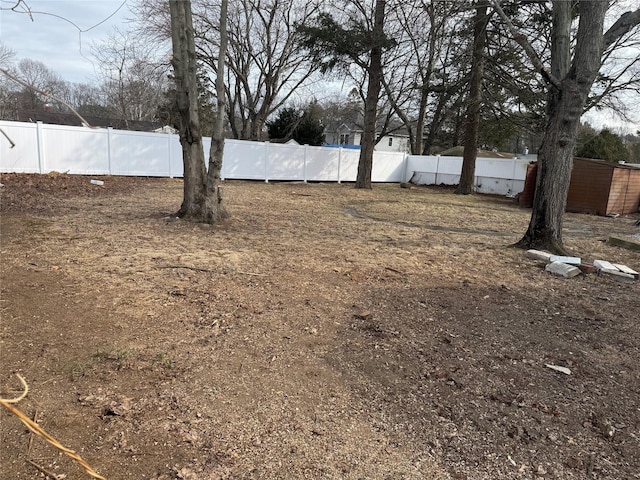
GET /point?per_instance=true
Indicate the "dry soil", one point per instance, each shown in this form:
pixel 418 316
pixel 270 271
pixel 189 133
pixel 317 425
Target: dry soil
pixel 322 332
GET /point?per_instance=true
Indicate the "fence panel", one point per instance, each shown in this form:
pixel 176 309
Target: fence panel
pixel 174 150
pixel 349 165
pixel 24 156
pixel 500 176
pixel 74 150
pixel 244 160
pixel 323 164
pixel 286 162
pixel 388 167
pixel 41 148
pixel 422 169
pixel 139 154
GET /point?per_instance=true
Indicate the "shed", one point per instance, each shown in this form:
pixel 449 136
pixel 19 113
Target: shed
pixel 603 188
pixel 525 199
pixel 596 187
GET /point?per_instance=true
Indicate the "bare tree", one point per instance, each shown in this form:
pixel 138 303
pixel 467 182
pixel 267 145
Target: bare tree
pixel 7 92
pixel 617 86
pixel 421 77
pixel 89 100
pixel 202 200
pixel 132 80
pixel 36 74
pixel 265 64
pixel 6 55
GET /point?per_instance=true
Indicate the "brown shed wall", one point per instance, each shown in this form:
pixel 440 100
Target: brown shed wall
pixel 589 187
pixel 624 196
pixel 525 199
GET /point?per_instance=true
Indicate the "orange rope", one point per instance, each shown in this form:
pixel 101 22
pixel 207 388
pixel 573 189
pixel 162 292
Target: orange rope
pixel 35 428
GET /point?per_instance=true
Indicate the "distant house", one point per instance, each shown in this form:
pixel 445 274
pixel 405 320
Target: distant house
pixel 351 135
pixel 394 142
pixel 343 134
pixel 166 129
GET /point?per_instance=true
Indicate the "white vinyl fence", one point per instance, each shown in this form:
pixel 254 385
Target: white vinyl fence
pixel 42 148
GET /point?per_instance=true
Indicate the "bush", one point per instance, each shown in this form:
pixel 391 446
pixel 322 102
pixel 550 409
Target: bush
pixel 605 146
pixel 303 126
pixel 634 152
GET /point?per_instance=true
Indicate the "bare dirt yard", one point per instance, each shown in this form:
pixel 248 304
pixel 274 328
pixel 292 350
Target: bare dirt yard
pixel 323 332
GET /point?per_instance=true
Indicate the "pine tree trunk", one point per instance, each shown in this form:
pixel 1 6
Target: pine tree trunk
pixel 555 158
pixel 467 175
pixel 365 164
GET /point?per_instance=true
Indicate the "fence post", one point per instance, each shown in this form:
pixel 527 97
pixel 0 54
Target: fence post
pixel 304 168
pixel 224 152
pixel 339 162
pixel 109 130
pixel 405 161
pixel 513 176
pixel 266 162
pixel 476 177
pixel 40 144
pixel 169 154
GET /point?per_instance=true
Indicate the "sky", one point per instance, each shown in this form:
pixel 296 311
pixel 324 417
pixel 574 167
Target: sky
pixel 58 43
pixel 55 40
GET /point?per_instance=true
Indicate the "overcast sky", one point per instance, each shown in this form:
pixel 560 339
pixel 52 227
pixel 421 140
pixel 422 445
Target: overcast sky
pixel 55 41
pixel 59 44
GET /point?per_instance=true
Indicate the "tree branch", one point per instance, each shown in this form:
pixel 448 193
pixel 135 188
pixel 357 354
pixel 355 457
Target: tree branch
pixel 46 94
pixel 522 41
pixel 623 25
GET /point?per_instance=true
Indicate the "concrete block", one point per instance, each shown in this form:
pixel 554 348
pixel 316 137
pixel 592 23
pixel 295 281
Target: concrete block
pixel 603 264
pixel 539 255
pixel 563 259
pixel 562 269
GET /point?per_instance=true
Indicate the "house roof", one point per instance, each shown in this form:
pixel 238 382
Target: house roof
pixel 632 166
pixel 346 127
pixel 60 118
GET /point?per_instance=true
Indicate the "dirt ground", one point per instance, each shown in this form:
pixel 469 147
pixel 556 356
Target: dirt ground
pixel 323 332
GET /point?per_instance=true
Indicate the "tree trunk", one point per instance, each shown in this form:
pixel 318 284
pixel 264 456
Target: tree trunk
pixel 467 176
pixel 257 125
pixel 365 164
pixel 560 49
pixel 555 158
pixel 418 146
pixel 200 203
pixel 434 128
pixel 214 191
